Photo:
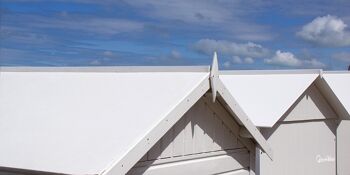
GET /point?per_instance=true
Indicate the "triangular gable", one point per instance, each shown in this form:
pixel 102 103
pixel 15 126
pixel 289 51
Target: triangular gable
pixel 53 116
pixel 312 105
pixel 89 122
pixel 339 83
pixel 265 97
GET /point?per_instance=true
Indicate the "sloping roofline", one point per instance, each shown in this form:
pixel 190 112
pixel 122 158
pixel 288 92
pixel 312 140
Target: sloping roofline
pixel 135 153
pixel 262 72
pixel 332 98
pixel 109 69
pixel 320 82
pixel 124 165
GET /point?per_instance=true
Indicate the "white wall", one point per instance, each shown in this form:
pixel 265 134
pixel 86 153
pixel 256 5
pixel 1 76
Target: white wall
pixel 304 141
pixel 343 146
pixel 204 141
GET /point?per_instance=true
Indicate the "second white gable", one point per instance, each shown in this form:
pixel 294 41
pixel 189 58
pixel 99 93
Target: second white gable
pixel 266 97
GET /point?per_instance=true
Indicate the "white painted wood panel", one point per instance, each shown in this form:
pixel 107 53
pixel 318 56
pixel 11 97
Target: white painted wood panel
pixel 205 166
pixel 205 131
pixel 312 105
pixel 307 148
pixel 343 146
pixel 200 130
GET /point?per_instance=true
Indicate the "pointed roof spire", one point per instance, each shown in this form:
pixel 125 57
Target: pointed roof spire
pixel 214 75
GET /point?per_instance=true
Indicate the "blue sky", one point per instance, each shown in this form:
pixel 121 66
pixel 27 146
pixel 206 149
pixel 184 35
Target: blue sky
pixel 247 34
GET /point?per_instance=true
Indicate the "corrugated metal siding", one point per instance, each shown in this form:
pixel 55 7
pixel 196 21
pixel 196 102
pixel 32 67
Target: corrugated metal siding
pixel 201 133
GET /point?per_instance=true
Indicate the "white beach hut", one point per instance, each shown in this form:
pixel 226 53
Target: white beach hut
pixel 123 120
pixel 340 84
pixel 297 112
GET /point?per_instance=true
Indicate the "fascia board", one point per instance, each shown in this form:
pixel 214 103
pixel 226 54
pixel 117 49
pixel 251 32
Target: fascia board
pixel 123 165
pixel 262 72
pixel 242 118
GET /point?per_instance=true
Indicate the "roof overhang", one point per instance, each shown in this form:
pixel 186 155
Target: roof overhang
pixel 48 91
pixel 266 95
pixel 336 85
pixel 202 80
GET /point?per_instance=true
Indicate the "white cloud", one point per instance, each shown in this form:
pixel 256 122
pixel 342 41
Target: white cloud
pixel 327 30
pixel 250 49
pixel 183 10
pixel 210 15
pixel 79 23
pixel 313 63
pixel 108 53
pixel 249 60
pixel 227 64
pixel 343 56
pixel 284 59
pixel 175 55
pixel 236 59
pixel 290 60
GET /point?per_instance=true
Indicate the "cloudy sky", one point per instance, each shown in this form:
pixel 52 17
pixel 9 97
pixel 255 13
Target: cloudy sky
pixel 247 34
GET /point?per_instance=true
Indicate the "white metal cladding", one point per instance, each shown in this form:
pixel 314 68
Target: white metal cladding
pixel 81 122
pixel 265 97
pixel 339 82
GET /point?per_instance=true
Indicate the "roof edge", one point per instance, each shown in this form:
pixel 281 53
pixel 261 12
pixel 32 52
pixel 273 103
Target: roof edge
pixel 332 98
pixel 243 118
pixel 296 99
pixel 264 72
pixel 337 72
pixel 123 165
pixel 109 69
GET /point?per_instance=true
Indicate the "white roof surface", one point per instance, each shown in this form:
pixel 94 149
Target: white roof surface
pixel 81 122
pixel 340 84
pixel 266 97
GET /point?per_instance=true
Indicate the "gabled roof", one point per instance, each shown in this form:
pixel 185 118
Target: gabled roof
pixel 266 95
pixel 217 86
pixel 98 120
pixel 89 120
pixel 339 82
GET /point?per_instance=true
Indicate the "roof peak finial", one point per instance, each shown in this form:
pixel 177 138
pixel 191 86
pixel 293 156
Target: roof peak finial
pixel 214 75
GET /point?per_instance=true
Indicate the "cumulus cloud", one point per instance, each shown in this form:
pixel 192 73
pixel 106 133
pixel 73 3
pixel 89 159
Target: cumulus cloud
pixel 290 60
pixel 284 59
pixel 236 59
pixel 175 55
pixel 313 63
pixel 249 60
pixel 250 49
pixel 342 56
pixel 227 64
pixel 327 31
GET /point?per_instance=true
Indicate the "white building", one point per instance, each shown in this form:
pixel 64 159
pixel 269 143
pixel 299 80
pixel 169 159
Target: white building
pixel 173 120
pixel 118 120
pixel 298 113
